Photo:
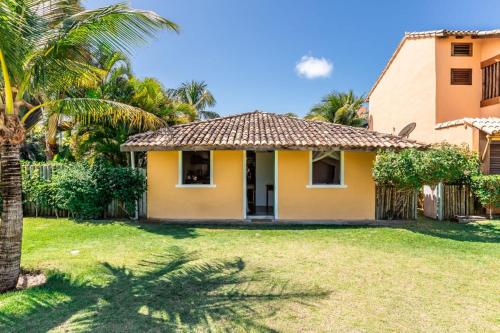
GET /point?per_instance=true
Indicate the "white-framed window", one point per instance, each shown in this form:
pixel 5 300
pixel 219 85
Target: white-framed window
pixel 196 169
pixel 326 169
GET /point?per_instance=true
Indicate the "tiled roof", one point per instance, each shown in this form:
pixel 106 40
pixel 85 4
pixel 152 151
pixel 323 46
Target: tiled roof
pixel 488 125
pixel 431 34
pixel 261 130
pixel 446 33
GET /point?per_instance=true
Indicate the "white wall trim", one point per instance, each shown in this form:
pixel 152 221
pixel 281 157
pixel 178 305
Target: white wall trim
pixel 276 186
pixel 326 186
pixel 342 170
pixel 195 186
pixel 245 202
pixel 179 173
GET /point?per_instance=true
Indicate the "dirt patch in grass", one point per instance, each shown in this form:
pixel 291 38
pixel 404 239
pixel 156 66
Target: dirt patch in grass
pixel 30 280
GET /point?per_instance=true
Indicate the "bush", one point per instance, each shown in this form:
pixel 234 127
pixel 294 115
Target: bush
pixel 122 184
pixel 487 189
pixel 412 168
pixel 449 164
pixel 36 189
pixel 398 169
pixel 75 191
pixel 84 190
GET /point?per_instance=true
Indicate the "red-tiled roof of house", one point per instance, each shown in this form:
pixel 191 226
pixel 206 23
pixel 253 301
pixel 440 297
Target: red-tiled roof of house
pixel 488 125
pixel 264 131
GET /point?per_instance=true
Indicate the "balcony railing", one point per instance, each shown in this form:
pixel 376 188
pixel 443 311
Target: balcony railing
pixel 491 81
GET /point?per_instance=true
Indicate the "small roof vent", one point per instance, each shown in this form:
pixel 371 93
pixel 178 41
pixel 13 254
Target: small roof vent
pixel 461 49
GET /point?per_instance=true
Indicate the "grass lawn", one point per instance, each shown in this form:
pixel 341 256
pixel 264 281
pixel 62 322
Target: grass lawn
pixel 118 277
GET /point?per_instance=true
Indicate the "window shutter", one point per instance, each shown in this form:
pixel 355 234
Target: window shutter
pixel 461 49
pixel 461 76
pixel 495 158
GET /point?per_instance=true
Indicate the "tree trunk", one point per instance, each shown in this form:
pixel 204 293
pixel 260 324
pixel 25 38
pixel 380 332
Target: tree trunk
pixel 51 150
pixel 51 146
pixel 11 225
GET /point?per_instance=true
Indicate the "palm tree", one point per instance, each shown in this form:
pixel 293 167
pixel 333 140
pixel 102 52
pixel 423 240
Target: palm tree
pixel 197 95
pixel 46 47
pixel 340 108
pixel 102 140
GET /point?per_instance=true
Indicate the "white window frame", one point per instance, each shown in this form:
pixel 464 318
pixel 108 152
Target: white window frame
pixel 341 185
pixel 179 174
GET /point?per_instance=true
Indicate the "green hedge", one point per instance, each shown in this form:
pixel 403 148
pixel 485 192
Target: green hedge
pixel 84 190
pixel 412 168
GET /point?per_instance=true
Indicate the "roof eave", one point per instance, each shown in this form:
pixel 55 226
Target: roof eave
pixel 132 148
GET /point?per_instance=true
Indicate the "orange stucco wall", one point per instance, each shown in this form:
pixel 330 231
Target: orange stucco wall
pixel 298 202
pixel 407 91
pixel 224 201
pixel 457 101
pixel 416 88
pixel 457 135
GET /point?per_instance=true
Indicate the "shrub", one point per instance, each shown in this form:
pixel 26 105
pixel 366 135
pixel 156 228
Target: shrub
pixel 487 189
pixel 36 189
pixel 84 190
pixel 412 168
pixel 122 184
pixel 75 191
pixel 450 164
pixel 398 169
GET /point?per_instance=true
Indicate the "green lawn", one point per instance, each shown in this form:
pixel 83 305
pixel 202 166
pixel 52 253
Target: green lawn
pixel 118 277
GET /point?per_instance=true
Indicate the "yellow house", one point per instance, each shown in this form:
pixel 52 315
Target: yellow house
pixel 445 84
pixel 261 165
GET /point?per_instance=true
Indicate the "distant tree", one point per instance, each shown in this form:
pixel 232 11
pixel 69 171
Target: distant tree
pixel 291 114
pixel 100 140
pixel 196 94
pixel 340 108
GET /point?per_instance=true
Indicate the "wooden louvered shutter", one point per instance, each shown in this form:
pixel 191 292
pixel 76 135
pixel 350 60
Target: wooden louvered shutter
pixel 461 49
pixel 461 76
pixel 495 158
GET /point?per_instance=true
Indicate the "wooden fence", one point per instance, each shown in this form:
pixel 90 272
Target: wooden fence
pixel 114 210
pixel 457 200
pixel 395 204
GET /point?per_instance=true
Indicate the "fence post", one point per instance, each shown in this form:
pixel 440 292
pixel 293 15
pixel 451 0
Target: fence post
pixel 132 163
pixel 440 201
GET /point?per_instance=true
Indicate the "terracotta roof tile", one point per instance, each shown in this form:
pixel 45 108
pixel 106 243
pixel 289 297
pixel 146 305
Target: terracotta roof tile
pixel 446 33
pixel 261 130
pixel 488 125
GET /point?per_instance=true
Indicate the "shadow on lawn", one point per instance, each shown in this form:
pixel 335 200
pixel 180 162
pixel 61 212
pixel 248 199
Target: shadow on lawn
pixel 472 232
pixel 174 231
pixel 170 293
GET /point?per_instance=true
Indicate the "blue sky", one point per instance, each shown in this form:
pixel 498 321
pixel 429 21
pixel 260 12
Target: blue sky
pixel 248 51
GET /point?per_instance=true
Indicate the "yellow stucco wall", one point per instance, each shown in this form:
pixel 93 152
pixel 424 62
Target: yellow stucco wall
pixel 297 202
pixel 224 201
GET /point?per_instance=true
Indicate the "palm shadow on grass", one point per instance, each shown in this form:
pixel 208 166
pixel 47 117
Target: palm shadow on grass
pixel 169 293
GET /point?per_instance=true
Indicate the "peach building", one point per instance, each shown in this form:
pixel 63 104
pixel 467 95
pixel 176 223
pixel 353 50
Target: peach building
pixel 261 165
pixel 446 84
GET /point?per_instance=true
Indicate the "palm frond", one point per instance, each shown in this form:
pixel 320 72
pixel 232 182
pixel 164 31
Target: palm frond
pixel 117 27
pixel 91 110
pixel 208 114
